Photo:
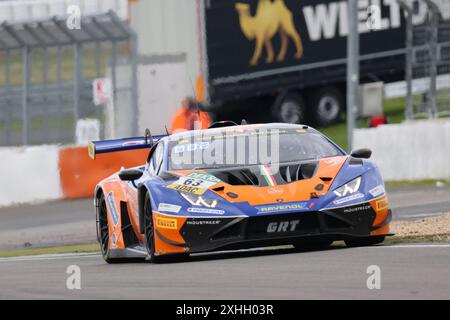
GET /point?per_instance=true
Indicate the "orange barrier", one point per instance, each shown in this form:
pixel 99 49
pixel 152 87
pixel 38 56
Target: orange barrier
pixel 80 174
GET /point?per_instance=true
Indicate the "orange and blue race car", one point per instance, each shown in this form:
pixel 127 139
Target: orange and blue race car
pixel 238 187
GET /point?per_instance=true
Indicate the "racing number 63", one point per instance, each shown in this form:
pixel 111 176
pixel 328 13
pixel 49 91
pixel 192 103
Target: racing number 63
pixel 192 183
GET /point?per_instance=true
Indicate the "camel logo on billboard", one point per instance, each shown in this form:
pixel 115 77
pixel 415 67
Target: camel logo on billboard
pixel 271 18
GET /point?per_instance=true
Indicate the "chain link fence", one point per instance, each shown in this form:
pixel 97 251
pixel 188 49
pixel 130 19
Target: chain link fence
pixel 47 71
pixel 427 60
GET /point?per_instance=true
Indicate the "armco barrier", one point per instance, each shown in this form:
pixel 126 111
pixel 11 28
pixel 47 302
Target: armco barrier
pixel 43 173
pixel 416 150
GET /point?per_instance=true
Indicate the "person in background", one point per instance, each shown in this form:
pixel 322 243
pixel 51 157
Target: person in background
pixel 190 117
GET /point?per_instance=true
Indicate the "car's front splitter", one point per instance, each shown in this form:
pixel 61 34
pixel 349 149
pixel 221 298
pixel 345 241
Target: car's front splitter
pixel 217 233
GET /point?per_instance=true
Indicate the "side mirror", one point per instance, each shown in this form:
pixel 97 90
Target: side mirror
pixel 361 153
pixel 130 175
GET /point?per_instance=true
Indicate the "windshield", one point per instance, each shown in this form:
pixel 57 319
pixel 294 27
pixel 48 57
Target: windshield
pixel 238 149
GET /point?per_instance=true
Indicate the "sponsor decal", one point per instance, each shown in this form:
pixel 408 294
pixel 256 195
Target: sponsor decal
pixel 167 207
pixel 274 191
pixel 357 209
pixel 205 177
pixel 332 161
pixel 112 208
pixel 187 189
pixel 348 199
pixel 282 207
pixel 382 204
pixel 114 240
pixel 181 148
pixel 284 226
pixel 167 223
pixel 192 183
pixel 132 143
pixel 203 222
pixel 377 191
pixel 206 211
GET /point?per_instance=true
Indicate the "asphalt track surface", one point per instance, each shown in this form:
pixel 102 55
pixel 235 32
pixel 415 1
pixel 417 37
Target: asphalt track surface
pixel 407 272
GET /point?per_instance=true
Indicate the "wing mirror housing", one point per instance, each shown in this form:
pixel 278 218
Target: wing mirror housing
pixel 361 153
pixel 130 174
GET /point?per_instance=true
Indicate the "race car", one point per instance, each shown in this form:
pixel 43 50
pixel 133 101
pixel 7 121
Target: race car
pixel 238 187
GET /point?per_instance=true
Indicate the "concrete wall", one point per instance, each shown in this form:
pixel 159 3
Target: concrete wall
pixel 415 150
pixel 29 174
pixel 169 27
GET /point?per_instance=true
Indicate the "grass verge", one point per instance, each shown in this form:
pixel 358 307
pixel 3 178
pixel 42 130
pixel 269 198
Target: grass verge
pixel 393 108
pixel 91 248
pixel 417 183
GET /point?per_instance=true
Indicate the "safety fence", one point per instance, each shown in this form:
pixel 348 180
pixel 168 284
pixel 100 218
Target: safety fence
pixel 49 60
pixel 427 58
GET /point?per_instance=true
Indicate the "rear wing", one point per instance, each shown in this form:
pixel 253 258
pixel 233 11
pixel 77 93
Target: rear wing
pixel 127 144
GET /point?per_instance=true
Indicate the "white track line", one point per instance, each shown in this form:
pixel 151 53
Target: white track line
pixel 89 255
pixel 413 246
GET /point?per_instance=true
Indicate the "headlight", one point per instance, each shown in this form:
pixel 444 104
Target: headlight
pixel 199 201
pixel 349 188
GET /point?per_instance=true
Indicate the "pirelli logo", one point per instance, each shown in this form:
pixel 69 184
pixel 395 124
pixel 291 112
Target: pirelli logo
pixel 167 223
pixel 382 204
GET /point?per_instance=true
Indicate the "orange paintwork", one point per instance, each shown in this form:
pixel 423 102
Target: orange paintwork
pixel 328 168
pixel 381 208
pixel 79 174
pixel 169 232
pixel 169 227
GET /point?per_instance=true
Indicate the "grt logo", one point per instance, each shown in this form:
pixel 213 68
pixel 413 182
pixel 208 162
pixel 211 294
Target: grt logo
pixel 284 226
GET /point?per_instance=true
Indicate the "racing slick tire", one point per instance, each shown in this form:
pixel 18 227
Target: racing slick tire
pixel 365 242
pixel 149 231
pixel 103 231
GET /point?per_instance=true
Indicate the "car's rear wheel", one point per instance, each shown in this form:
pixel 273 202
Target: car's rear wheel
pixel 103 230
pixel 149 230
pixel 365 242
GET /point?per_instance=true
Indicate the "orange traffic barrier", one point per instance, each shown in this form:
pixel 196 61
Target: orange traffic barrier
pixel 80 174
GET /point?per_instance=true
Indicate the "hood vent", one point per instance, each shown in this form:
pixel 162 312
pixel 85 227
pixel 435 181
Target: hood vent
pixel 253 177
pixel 243 177
pixel 296 172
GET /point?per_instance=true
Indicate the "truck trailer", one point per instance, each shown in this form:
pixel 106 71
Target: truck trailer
pixel 286 59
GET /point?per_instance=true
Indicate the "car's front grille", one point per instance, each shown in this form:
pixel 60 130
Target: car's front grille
pixel 283 225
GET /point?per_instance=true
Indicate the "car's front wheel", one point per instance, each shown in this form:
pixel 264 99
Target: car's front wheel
pixel 149 230
pixel 103 230
pixel 365 242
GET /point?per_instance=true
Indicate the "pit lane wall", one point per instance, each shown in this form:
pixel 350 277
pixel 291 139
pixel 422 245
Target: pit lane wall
pixel 416 150
pixel 45 173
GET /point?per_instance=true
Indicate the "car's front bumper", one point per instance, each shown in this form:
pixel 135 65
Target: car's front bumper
pixel 222 233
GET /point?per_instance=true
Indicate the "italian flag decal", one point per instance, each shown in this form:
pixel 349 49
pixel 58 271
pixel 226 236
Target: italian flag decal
pixel 267 175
